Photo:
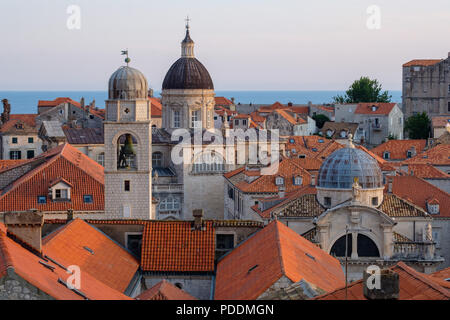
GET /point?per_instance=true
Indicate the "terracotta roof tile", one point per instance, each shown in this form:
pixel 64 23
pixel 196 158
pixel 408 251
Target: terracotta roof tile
pixel 440 121
pixel 5 164
pixel 422 62
pixel 108 262
pixel 394 206
pixel 156 107
pixel 311 146
pixel 413 286
pixel 174 246
pixel 27 266
pixel 398 149
pixel 28 121
pixel 381 108
pixel 65 161
pixel 426 171
pixel 408 187
pixel 276 251
pixel 288 169
pixel 57 102
pixel 437 156
pixel 164 290
pixel 222 101
pixel 336 128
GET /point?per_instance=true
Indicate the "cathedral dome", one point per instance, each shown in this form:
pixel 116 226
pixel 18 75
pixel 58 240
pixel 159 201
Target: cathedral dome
pixel 187 72
pixel 339 170
pixel 127 84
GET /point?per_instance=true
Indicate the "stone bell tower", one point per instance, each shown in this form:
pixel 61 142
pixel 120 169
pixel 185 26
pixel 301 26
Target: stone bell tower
pixel 128 133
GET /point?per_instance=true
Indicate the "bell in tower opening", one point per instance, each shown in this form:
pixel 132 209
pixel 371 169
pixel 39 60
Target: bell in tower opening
pixel 126 154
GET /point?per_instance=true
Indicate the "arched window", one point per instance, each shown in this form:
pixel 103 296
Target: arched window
pixel 157 159
pixel 127 152
pixel 208 162
pixel 365 246
pixel 169 204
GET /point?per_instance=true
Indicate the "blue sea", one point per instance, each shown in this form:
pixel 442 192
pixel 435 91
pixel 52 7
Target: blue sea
pixel 26 101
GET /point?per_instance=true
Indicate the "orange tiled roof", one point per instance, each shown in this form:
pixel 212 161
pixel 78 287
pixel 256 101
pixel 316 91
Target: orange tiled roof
pixel 438 155
pixel 108 262
pixel 398 148
pixel 298 203
pixel 164 290
pixel 273 252
pixel 422 62
pixel 27 266
pixel 440 121
pixel 286 115
pixel 442 274
pixel 241 116
pixel 156 107
pixel 288 169
pixel 27 119
pixel 271 108
pixel 172 246
pixel 222 101
pixel 64 161
pixel 382 108
pixel 419 192
pixel 310 164
pixel 256 117
pixel 299 110
pixel 5 164
pixel 57 102
pixel 311 146
pixel 426 171
pixel 413 286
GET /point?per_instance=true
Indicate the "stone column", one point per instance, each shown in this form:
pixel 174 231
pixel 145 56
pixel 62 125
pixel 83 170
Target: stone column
pixel 387 241
pixel 354 245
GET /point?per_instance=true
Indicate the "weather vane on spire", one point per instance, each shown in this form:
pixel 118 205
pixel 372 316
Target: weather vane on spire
pixel 127 59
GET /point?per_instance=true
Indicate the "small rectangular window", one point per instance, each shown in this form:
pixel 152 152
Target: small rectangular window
pixel 375 201
pixel 61 194
pixel 224 241
pixel 127 185
pixel 30 154
pixel 327 201
pixel 14 140
pixel 30 140
pixel 42 199
pixel 15 155
pixel 88 198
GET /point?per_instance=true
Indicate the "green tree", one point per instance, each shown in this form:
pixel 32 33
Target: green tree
pixel 320 120
pixel 364 90
pixel 418 126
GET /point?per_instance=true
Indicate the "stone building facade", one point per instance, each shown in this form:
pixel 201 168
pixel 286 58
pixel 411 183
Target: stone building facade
pixel 426 87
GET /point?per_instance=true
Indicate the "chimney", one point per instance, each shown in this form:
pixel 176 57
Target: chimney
pixel 381 286
pixel 26 228
pixel 69 215
pixel 198 218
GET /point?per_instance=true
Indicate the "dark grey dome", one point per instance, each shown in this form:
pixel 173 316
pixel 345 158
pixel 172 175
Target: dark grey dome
pixel 127 84
pixel 188 73
pixel 339 170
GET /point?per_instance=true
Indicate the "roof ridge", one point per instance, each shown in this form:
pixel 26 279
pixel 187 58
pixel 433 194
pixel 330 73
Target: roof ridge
pixel 280 253
pixel 422 278
pixel 4 250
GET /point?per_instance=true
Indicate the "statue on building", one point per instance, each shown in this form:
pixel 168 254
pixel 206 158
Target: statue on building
pixel 356 190
pixel 428 232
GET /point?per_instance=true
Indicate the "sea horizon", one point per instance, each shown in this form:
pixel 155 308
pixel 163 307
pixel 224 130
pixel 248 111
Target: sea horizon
pixel 25 101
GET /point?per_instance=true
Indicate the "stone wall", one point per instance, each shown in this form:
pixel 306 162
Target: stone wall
pixel 13 287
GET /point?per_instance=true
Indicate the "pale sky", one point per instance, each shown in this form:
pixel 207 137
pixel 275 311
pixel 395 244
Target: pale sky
pixel 245 44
